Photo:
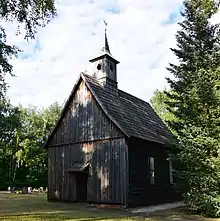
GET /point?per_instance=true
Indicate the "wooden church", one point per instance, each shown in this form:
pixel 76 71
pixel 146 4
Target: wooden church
pixel 108 146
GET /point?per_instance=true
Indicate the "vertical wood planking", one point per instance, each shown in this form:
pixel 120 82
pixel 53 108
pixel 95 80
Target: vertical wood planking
pixel 142 192
pixel 85 121
pixel 108 181
pixel 126 179
pixel 49 177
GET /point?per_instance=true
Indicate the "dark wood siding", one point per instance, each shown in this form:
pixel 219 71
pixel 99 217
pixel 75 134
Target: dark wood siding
pixel 83 121
pixel 86 134
pixel 107 178
pixel 141 191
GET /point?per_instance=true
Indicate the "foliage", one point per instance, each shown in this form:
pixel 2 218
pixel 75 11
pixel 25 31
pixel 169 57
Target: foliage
pixel 9 118
pixel 21 132
pixel 29 14
pixel 159 103
pixel 195 103
pixel 23 160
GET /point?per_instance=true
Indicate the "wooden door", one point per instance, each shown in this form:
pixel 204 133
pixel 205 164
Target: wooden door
pixel 81 186
pixel 72 187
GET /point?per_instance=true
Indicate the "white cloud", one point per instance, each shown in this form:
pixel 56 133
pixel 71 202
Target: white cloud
pixel 138 38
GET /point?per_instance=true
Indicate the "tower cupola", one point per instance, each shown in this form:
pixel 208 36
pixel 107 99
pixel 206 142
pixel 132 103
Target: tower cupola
pixel 105 66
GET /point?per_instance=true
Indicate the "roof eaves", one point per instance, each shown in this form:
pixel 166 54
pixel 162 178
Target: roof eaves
pixel 104 55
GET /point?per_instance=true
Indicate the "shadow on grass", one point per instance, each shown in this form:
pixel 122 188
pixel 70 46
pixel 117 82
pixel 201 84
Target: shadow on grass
pixel 96 216
pixel 36 208
pixel 65 216
pixel 177 214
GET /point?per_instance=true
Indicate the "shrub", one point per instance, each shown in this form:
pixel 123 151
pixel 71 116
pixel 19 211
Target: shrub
pixel 204 204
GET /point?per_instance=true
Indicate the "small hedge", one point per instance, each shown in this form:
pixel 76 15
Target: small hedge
pixel 211 206
pixel 204 204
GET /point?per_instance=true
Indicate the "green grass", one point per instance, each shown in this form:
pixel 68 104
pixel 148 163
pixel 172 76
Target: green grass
pixel 15 207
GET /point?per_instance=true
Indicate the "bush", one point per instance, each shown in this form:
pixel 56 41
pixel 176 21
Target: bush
pixel 211 206
pixel 204 204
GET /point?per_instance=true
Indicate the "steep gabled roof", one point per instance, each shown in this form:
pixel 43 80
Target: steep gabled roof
pixel 134 116
pixel 66 105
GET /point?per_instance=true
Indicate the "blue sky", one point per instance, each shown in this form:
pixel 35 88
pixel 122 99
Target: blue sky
pixel 174 16
pixel 114 10
pixel 140 34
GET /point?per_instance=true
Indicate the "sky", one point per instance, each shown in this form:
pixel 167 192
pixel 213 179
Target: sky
pixel 140 35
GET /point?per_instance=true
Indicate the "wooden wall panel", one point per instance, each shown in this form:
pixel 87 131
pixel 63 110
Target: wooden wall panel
pixel 83 121
pixel 141 192
pixel 108 171
pixel 87 134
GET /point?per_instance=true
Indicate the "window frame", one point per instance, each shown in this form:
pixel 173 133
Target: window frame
pixel 170 168
pixel 152 170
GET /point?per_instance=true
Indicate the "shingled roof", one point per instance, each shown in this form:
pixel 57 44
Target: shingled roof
pixel 134 116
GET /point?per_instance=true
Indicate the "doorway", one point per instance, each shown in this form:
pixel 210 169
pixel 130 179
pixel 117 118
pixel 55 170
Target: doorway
pixel 81 186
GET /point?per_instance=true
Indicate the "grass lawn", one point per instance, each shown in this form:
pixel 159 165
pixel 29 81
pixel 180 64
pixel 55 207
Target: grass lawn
pixel 14 207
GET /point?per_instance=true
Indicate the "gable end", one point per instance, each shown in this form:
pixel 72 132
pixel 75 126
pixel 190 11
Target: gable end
pixel 83 119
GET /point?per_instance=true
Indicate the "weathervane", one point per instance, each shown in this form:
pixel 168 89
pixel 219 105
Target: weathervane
pixel 105 23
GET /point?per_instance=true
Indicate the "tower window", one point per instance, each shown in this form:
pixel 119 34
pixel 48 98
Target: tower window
pixel 99 66
pixel 111 67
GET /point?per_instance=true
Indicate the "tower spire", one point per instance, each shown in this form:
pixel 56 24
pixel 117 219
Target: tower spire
pixel 105 67
pixel 106 46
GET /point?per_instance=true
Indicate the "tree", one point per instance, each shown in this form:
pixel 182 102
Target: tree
pixel 29 14
pixel 31 157
pixel 9 120
pixel 159 103
pixel 50 116
pixel 195 103
pixel 23 161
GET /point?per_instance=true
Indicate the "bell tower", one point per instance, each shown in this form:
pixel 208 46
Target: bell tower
pixel 105 66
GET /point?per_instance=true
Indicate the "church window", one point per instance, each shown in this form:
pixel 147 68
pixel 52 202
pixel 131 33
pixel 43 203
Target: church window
pixel 152 170
pixel 170 171
pixel 111 67
pixel 99 66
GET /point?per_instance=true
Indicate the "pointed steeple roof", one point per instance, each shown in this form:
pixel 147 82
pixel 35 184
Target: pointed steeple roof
pixel 106 45
pixel 105 51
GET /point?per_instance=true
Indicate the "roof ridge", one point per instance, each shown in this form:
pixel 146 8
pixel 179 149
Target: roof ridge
pixel 119 90
pixel 133 96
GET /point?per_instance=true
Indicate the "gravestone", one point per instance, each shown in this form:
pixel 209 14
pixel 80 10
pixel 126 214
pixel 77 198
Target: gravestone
pixel 24 190
pixel 29 190
pixel 12 189
pixel 41 189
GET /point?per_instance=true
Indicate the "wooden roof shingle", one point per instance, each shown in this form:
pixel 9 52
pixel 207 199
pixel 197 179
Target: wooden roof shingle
pixel 134 116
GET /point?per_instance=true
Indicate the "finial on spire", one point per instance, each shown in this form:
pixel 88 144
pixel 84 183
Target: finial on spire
pixel 105 25
pixel 106 46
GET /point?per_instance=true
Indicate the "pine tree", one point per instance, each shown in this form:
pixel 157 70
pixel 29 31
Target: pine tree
pixel 196 105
